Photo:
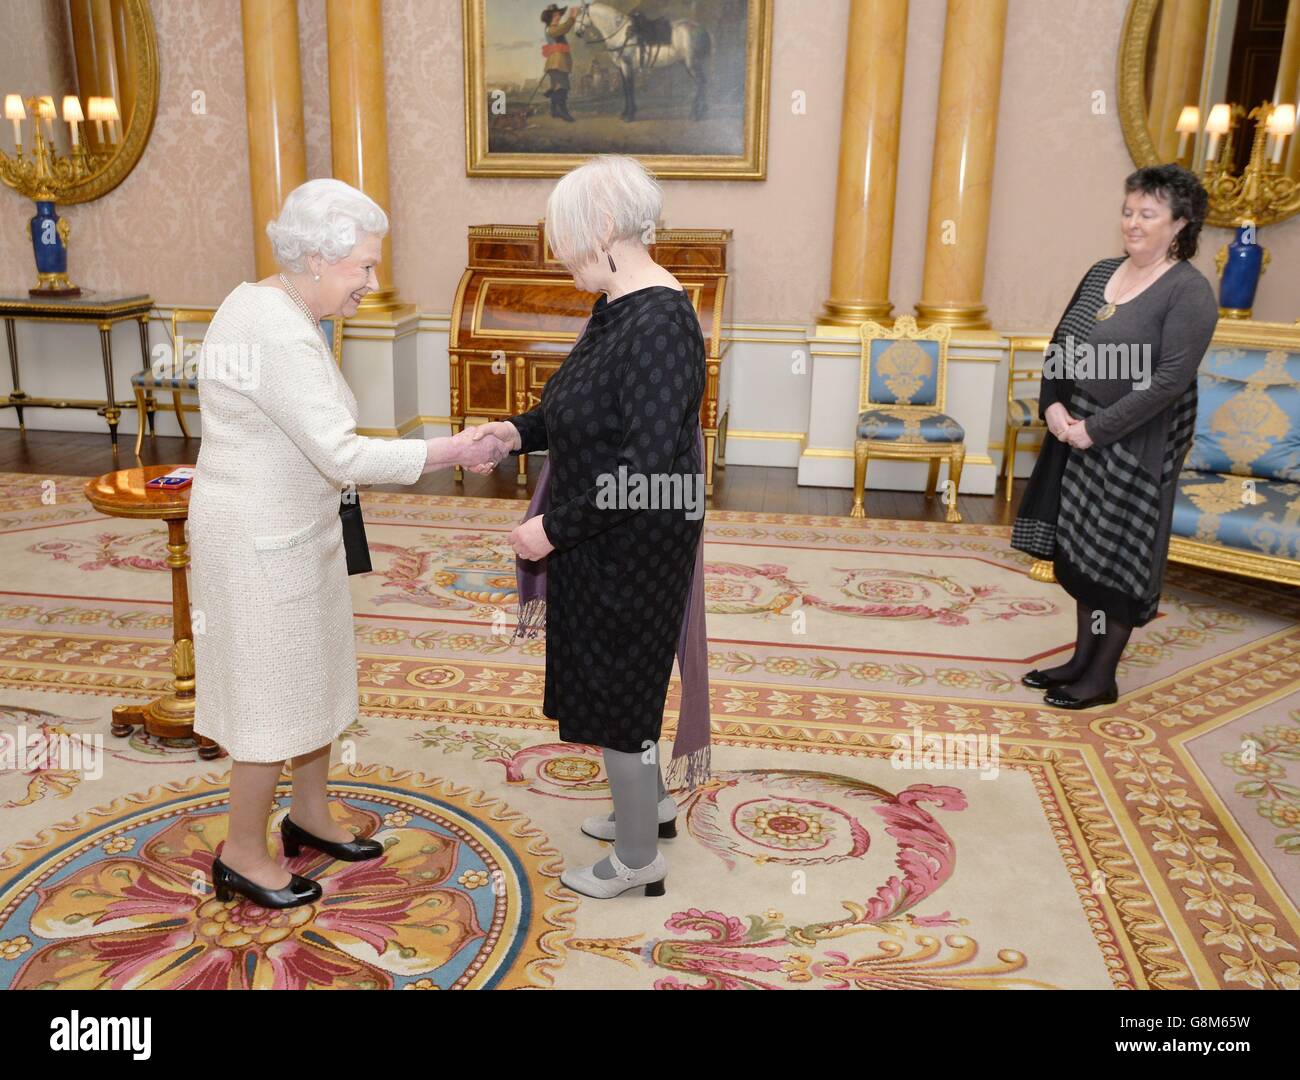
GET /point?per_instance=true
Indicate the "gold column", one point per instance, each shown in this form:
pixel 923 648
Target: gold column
pixel 91 82
pixel 868 174
pixel 961 177
pixel 359 120
pixel 1288 85
pixel 1162 35
pixel 1181 54
pixel 125 61
pixel 277 150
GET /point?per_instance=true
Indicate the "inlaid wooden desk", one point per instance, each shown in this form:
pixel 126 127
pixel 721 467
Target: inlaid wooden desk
pixel 101 310
pixel 516 316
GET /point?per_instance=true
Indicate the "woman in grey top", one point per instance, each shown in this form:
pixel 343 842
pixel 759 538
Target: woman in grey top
pixel 1119 398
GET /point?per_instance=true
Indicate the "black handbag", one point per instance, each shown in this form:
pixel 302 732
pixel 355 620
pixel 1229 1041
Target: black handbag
pixel 354 534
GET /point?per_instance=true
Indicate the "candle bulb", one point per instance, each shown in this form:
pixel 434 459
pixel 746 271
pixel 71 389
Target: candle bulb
pixel 1215 127
pixel 72 116
pixel 1281 123
pixel 47 113
pixel 1188 121
pixel 95 112
pixel 112 116
pixel 15 112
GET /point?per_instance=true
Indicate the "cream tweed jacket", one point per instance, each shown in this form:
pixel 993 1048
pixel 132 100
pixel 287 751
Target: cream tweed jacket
pixel 274 652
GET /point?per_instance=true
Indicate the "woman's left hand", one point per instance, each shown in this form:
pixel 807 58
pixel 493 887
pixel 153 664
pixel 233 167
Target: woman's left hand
pixel 1077 436
pixel 529 540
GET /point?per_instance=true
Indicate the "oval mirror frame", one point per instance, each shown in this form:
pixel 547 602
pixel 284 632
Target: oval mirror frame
pixel 1135 39
pixel 144 44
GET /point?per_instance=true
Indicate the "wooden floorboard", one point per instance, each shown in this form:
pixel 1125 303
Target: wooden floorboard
pixel 737 487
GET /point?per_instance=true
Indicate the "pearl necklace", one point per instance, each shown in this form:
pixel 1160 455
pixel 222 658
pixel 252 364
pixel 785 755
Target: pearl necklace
pixel 302 304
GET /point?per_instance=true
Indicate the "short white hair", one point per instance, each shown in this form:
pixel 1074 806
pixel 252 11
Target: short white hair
pixel 611 197
pixel 323 217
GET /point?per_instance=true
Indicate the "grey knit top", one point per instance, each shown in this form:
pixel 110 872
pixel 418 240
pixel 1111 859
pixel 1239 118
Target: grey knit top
pixel 1163 332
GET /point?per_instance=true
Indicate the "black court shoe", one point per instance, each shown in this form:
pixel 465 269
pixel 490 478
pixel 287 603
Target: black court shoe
pixel 226 883
pixel 294 837
pixel 1037 680
pixel 1060 699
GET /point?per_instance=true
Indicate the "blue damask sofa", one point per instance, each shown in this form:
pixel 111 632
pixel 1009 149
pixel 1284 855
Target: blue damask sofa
pixel 1238 505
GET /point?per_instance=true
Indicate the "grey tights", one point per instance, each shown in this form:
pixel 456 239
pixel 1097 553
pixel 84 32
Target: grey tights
pixel 637 787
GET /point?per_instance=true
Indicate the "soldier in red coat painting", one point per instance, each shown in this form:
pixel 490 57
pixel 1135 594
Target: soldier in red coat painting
pixel 559 60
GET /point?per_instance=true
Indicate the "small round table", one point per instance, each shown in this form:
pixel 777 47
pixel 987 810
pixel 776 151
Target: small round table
pixel 123 494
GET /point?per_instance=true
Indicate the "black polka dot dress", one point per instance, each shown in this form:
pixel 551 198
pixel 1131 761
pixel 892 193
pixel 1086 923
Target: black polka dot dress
pixel 625 403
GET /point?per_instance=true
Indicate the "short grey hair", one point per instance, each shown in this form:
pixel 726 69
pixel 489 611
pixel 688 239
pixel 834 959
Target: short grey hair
pixel 323 217
pixel 611 197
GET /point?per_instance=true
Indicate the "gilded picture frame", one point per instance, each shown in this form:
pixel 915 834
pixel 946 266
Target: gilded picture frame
pixel 695 107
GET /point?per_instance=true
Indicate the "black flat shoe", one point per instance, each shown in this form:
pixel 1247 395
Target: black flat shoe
pixel 1060 699
pixel 295 837
pixel 1036 680
pixel 226 883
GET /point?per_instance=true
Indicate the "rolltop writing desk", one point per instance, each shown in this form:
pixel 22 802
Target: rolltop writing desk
pixel 517 314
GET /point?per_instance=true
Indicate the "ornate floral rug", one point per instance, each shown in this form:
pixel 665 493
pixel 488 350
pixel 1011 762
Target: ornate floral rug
pixel 889 806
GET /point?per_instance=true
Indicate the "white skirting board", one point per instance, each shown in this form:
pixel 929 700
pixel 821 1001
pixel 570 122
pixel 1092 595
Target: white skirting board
pixel 790 394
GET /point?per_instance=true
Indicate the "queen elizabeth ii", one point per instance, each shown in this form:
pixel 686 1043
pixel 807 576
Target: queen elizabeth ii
pixel 275 665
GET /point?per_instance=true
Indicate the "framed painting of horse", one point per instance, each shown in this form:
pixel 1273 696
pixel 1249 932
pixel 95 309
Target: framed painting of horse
pixel 681 84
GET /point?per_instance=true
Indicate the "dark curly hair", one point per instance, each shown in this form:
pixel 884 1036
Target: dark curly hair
pixel 1186 197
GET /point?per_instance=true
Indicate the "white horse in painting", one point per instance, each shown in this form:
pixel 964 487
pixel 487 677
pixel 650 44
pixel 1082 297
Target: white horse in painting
pixel 638 43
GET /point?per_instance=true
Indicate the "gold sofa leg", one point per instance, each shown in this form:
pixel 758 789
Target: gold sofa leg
pixel 1042 570
pixel 955 464
pixel 859 480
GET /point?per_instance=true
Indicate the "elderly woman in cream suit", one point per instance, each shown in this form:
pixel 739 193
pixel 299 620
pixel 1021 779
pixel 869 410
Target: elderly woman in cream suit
pixel 276 666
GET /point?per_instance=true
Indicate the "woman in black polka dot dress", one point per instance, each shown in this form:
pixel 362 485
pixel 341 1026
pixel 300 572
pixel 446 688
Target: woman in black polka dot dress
pixel 620 420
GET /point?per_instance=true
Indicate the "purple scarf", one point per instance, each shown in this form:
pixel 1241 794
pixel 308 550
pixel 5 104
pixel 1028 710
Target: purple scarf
pixel 689 766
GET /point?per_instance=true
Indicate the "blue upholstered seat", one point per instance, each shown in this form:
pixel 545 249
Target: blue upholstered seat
pixel 147 380
pixel 908 426
pixel 902 394
pixel 1238 512
pixel 1022 411
pixel 1248 414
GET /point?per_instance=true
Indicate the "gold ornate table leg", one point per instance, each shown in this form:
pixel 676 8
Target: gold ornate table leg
pixel 1042 570
pixel 521 406
pixel 17 397
pixel 457 426
pixel 172 715
pixel 110 411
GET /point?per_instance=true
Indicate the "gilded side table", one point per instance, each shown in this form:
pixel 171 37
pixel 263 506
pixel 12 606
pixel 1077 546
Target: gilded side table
pixel 123 494
pixel 91 308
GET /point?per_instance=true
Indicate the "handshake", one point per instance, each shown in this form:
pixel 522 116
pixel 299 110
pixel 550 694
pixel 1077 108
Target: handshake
pixel 478 449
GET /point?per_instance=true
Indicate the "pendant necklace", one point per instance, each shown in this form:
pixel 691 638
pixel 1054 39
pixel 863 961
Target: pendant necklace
pixel 1108 309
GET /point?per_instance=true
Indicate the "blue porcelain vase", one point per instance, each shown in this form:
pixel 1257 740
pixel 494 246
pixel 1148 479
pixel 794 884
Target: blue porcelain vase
pixel 1241 270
